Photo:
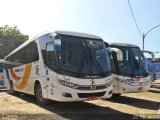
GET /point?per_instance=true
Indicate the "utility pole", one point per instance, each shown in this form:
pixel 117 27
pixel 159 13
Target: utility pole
pixel 143 37
pixel 145 34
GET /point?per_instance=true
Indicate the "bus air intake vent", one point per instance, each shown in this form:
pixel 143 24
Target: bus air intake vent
pixel 85 95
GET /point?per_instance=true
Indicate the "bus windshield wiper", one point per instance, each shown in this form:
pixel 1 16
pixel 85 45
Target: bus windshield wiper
pixel 82 65
pixel 139 64
pixel 85 59
pixel 97 64
pixel 101 69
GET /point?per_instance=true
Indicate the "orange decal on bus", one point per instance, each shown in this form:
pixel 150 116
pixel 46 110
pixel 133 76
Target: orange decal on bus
pixel 14 76
pixel 25 78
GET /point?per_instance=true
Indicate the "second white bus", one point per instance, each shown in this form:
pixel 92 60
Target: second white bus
pixel 130 71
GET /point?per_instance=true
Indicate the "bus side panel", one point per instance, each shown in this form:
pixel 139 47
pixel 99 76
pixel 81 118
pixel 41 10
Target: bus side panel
pixel 20 77
pixel 36 74
pixel 24 77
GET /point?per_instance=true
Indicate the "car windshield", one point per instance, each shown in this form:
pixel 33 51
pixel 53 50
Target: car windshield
pixel 134 63
pixel 83 56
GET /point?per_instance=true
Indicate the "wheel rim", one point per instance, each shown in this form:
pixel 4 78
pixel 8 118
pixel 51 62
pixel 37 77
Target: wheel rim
pixel 39 94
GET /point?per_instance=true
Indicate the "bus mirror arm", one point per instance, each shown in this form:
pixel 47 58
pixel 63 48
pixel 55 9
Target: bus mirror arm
pixel 151 53
pixel 119 53
pixel 57 43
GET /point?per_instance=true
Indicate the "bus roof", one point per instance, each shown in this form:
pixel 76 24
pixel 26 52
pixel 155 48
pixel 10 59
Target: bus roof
pixel 123 44
pixel 56 32
pixel 78 34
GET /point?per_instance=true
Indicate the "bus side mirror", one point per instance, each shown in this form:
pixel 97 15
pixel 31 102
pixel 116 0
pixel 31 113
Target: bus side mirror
pixel 57 43
pixel 119 53
pixel 149 52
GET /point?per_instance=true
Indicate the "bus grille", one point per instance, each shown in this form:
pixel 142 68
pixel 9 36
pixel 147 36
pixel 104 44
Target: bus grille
pixel 98 87
pixel 85 95
pixel 89 87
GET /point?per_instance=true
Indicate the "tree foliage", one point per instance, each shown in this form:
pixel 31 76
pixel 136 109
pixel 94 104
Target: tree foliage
pixel 10 38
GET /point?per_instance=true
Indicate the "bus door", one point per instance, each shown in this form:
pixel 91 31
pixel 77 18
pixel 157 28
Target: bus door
pixel 114 66
pixel 51 81
pixel 115 60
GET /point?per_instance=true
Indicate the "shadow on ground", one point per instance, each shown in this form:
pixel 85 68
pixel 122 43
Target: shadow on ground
pixel 154 91
pixel 155 83
pixel 3 90
pixel 140 103
pixel 155 86
pixel 79 110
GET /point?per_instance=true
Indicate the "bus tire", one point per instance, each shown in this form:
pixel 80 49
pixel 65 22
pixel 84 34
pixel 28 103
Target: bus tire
pixel 116 95
pixel 39 97
pixel 12 91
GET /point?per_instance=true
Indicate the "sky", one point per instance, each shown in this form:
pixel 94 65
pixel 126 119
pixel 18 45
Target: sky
pixel 109 19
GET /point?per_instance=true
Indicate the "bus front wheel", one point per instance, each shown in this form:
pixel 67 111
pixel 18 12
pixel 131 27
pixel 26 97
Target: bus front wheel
pixel 38 93
pixel 116 95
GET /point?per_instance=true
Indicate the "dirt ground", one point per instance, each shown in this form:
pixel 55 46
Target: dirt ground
pixel 142 105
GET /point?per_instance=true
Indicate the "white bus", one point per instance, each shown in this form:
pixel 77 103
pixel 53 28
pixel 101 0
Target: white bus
pixel 129 68
pixel 61 66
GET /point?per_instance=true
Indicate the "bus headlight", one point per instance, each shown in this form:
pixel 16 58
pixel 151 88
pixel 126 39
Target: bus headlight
pixel 68 84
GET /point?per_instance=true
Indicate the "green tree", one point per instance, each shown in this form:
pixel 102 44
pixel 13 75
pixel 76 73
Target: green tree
pixel 10 39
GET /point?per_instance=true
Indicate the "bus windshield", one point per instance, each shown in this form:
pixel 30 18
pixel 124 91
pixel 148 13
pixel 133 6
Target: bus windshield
pixel 83 56
pixel 134 62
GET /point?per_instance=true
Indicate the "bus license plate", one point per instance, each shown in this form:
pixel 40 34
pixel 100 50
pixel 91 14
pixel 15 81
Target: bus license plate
pixel 91 98
pixel 140 88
